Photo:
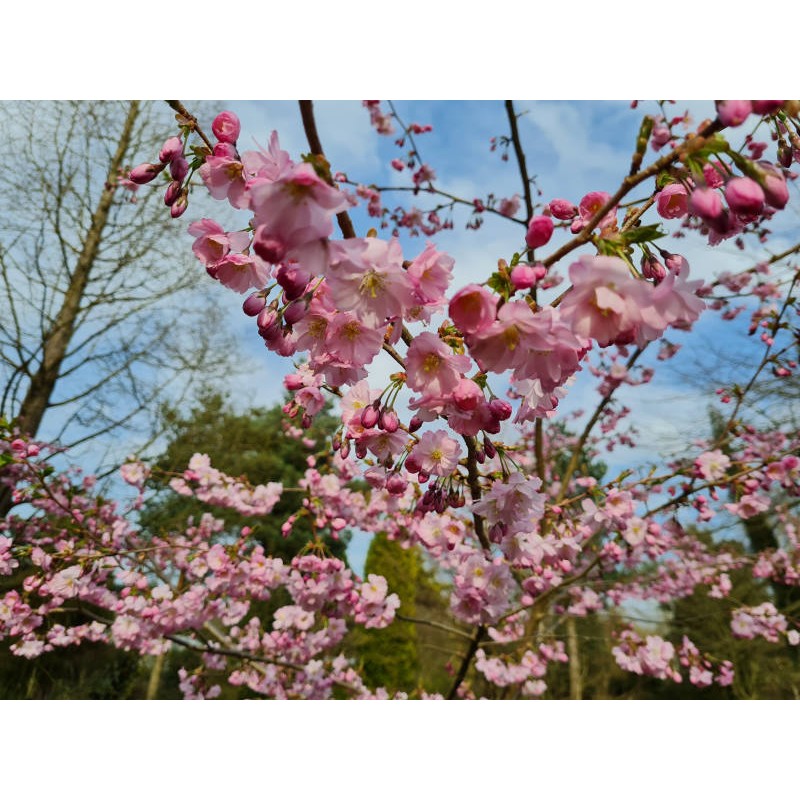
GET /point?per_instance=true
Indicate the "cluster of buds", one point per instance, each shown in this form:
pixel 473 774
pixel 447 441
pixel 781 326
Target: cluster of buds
pixel 171 155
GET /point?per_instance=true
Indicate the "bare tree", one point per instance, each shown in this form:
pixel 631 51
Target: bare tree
pixel 97 326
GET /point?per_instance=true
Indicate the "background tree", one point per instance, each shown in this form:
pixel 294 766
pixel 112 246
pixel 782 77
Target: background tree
pixel 95 329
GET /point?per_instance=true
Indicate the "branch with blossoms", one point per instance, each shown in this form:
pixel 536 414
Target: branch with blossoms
pixel 493 490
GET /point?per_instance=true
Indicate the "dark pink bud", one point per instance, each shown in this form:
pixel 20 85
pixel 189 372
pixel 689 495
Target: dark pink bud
pixel 226 127
pixel 266 318
pixel 345 451
pixel 706 204
pixel 480 456
pixel 293 313
pixel 173 193
pixel 563 209
pixel 307 421
pixel 361 449
pixel 254 304
pixel 179 169
pixel 744 195
pixel 540 229
pixel 785 155
pixel 467 395
pixel 396 484
pixel 172 148
pixel 415 424
pixel 412 464
pixel 653 269
pixel 180 205
pixel 293 279
pixel 389 421
pixel 145 173
pixel 776 192
pixel 765 107
pixel 369 417
pixel 500 408
pixel 423 477
pixel 489 449
pixel 674 262
pixel 268 247
pixel 733 113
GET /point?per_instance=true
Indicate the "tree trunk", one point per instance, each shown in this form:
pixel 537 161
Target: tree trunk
pixel 57 339
pixel 575 679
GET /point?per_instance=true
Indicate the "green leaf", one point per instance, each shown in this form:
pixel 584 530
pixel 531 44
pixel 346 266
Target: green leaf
pixel 644 233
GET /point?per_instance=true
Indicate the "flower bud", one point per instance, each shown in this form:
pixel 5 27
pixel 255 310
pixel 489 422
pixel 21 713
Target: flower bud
pixel 467 395
pixel 225 150
pixel 396 484
pixel 706 204
pixel 294 312
pixel 388 421
pixel 766 107
pixel 226 127
pixel 293 280
pixel 415 424
pixel 145 173
pixel 653 269
pixel 254 304
pixel 500 408
pixel 179 169
pixel 563 209
pixel 524 276
pixel 489 448
pixel 540 229
pixel 173 193
pixel 674 262
pixel 776 192
pixel 172 148
pixel 733 113
pixel 180 205
pixel 744 196
pixel 268 247
pixel 369 417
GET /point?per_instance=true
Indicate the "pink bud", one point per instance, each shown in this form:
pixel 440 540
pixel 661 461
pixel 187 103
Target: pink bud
pixel 540 229
pixel 489 449
pixel 293 279
pixel 563 209
pixel 369 417
pixel 653 269
pixel 294 382
pixel 500 408
pixel 388 421
pixel 776 192
pixel 226 127
pixel 173 193
pixel 415 424
pixel 706 204
pixel 733 113
pixel 674 262
pixel 412 464
pixel 180 205
pixel 179 169
pixel 268 247
pixel 145 173
pixel 294 312
pixel 254 304
pixel 744 195
pixel 765 107
pixel 396 484
pixel 172 148
pixel 673 201
pixel 225 150
pixel 467 395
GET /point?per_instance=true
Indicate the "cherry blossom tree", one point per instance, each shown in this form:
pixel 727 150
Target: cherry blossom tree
pixel 461 452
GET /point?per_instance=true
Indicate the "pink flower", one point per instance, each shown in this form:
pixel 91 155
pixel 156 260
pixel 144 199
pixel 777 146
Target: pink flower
pixel 432 367
pixel 473 308
pixel 366 276
pixel 590 204
pixel 431 273
pixel 509 206
pixel 673 201
pixel 437 453
pixel 712 465
pixel 605 300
